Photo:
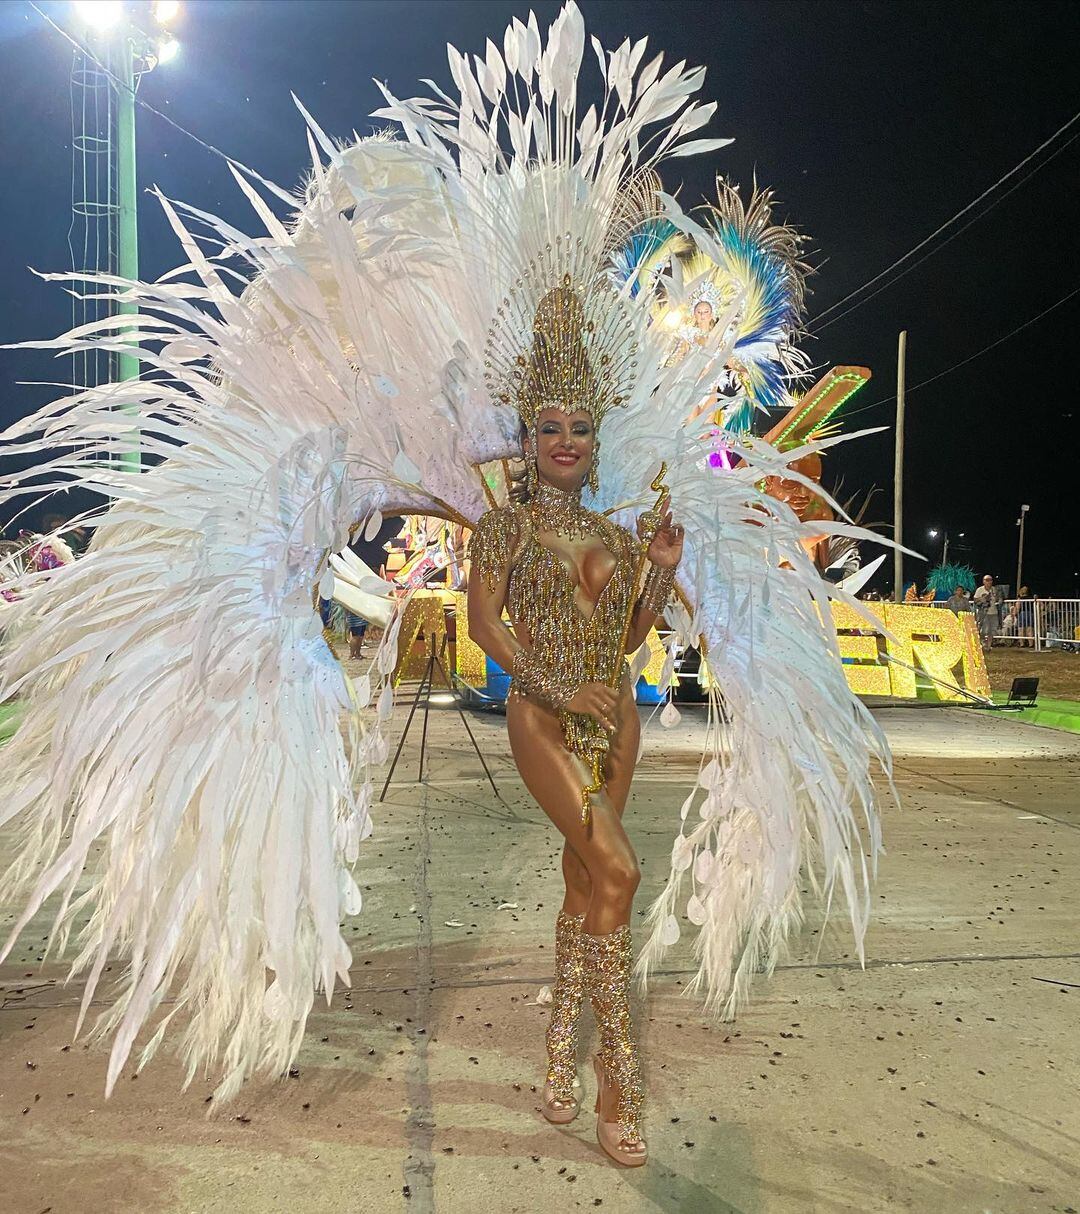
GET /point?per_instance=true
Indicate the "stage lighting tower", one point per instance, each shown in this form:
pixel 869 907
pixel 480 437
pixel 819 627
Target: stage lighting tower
pixel 115 51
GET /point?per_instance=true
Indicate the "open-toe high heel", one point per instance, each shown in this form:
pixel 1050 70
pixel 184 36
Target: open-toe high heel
pixel 630 1152
pixel 557 1109
pixel 606 961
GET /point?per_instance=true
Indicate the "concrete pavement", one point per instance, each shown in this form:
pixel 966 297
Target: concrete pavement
pixel 943 1077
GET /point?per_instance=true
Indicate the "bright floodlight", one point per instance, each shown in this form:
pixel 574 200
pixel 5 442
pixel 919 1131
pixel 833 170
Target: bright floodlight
pixel 933 534
pixel 168 50
pixel 100 14
pixel 166 10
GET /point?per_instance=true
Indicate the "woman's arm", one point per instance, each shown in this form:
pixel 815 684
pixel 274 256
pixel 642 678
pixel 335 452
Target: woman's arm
pixel 664 552
pixel 659 584
pixel 486 599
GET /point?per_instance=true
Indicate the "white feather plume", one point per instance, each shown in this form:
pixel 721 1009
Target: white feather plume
pixel 179 778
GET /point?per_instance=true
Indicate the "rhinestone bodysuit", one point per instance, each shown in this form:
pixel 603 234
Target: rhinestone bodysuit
pixel 572 647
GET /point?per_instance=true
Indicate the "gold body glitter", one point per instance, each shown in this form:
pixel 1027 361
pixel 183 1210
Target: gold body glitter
pixel 568 647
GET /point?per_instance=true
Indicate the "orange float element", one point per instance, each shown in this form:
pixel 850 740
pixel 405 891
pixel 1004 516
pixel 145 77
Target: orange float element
pixel 805 421
pixel 911 595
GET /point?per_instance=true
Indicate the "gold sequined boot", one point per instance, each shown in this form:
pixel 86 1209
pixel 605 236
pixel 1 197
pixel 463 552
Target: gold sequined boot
pixel 606 961
pixel 559 1102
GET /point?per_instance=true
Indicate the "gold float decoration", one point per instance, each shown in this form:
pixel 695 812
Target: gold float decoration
pixel 424 614
pixel 931 639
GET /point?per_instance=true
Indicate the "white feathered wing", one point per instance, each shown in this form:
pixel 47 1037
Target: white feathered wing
pixel 181 704
pixel 181 738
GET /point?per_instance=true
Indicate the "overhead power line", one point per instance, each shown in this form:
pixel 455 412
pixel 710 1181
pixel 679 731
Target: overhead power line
pixel 971 357
pixel 815 325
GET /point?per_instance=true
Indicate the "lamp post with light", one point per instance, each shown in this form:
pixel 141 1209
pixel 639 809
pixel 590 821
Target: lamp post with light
pixel 130 51
pixel 934 533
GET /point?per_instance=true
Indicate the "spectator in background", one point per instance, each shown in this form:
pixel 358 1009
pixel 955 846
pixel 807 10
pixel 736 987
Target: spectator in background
pixel 988 611
pixel 356 625
pixel 1025 617
pixel 76 538
pixel 958 601
pixel 1008 625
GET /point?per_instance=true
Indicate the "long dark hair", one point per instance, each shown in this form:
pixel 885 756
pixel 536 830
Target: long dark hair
pixel 518 488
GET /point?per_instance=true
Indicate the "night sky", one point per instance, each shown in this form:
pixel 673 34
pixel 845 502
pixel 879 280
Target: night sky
pixel 874 122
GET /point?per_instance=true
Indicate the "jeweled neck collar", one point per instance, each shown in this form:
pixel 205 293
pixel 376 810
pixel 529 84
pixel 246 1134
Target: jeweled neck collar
pixel 560 511
pixel 548 496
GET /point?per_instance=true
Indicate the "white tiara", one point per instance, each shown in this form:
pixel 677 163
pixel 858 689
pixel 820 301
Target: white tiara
pixel 705 291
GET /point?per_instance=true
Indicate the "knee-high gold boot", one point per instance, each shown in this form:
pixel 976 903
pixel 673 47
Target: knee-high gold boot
pixel 559 1102
pixel 606 961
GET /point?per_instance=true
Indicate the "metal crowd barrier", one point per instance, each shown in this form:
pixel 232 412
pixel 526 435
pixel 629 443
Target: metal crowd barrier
pixel 1040 624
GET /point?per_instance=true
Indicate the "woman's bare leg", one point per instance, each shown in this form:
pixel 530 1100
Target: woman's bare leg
pixel 599 865
pixel 621 761
pixel 555 779
pixel 622 758
pixel 576 879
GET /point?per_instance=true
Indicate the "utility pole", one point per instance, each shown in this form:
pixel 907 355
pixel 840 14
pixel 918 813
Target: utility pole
pixel 1020 549
pixel 898 473
pixel 945 550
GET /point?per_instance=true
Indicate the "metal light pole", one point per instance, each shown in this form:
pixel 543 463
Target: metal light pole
pixel 1020 548
pixel 127 215
pixel 118 54
pixel 898 473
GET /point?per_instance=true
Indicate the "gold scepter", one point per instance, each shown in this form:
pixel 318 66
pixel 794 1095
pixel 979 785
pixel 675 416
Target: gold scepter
pixel 650 524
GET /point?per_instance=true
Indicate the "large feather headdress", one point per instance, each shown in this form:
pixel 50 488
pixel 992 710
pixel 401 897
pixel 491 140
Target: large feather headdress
pixel 179 779
pixel 577 353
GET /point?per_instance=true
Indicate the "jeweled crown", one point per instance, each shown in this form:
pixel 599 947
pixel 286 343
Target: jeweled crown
pixel 560 342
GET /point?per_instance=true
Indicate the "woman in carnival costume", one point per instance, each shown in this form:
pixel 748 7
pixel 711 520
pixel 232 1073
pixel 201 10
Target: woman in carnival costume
pixel 568 578
pixel 179 777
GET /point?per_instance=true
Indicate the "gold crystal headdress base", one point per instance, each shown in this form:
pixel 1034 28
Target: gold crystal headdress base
pixel 557 342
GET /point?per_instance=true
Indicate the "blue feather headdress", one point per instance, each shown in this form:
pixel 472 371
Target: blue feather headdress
pixel 740 254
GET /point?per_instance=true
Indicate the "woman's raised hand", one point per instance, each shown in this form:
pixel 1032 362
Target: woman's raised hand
pixel 596 700
pixel 666 547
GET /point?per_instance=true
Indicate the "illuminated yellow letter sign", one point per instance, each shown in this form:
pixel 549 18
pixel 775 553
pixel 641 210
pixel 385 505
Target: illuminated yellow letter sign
pixel 932 639
pixel 944 645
